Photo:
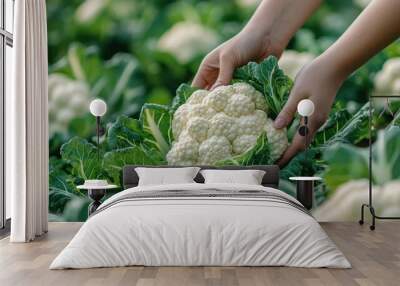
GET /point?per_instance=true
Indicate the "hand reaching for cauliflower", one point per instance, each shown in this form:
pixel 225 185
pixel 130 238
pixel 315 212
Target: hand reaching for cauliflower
pixel 264 35
pixel 316 83
pixel 269 31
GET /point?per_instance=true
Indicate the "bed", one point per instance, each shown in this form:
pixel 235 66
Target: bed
pixel 199 224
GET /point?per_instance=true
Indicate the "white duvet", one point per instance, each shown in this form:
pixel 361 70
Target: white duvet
pixel 200 231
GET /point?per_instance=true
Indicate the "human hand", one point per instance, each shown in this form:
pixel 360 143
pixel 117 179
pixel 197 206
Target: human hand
pixel 267 33
pixel 321 80
pixel 217 67
pixel 318 82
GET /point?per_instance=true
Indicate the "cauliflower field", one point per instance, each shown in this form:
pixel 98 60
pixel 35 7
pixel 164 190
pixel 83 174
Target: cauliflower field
pixel 68 99
pixel 220 124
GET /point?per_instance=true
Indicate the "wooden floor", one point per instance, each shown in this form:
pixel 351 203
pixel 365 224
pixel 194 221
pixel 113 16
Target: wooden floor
pixel 375 257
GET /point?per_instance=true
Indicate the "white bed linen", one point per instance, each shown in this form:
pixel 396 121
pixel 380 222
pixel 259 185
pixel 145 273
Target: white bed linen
pixel 248 177
pixel 149 176
pixel 206 231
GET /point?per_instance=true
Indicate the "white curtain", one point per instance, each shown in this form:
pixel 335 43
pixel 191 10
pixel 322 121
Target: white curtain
pixel 27 124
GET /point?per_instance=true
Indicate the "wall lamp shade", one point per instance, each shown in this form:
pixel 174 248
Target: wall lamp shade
pixel 305 107
pixel 98 107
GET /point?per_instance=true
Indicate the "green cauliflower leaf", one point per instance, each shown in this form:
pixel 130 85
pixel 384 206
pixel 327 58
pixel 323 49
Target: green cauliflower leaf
pixel 183 93
pixel 346 162
pixel 83 158
pixel 115 160
pixel 156 123
pixel 115 80
pixel 258 155
pixel 270 80
pixel 124 132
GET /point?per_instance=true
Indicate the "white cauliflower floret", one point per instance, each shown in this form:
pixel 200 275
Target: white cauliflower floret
pixel 344 204
pixel 277 139
pixel 214 149
pixel 201 110
pixel 243 143
pixel 89 10
pixel 387 81
pixel 223 125
pixel 259 100
pixel 197 96
pixel 248 90
pixel 243 88
pixel 218 98
pixel 67 99
pixel 197 128
pixel 184 150
pixel 239 105
pixel 396 85
pixel 181 117
pixel 291 62
pixel 173 158
pixel 214 126
pixel 389 203
pixel 252 124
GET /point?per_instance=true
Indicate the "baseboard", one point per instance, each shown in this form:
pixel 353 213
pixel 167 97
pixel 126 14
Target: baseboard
pixel 5 231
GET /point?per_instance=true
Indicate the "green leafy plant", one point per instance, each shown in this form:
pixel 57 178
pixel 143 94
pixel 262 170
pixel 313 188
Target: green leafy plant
pixel 116 80
pixel 61 186
pixel 269 79
pixel 341 126
pixel 82 156
pixel 346 162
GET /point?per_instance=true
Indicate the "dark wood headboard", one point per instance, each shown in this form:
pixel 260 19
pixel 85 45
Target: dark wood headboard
pixel 130 178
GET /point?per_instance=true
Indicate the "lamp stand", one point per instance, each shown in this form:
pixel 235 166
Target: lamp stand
pixel 306 136
pixel 96 195
pixel 370 201
pixel 98 137
pixel 304 131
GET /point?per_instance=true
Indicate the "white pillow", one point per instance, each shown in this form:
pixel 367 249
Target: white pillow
pixel 247 177
pixel 165 176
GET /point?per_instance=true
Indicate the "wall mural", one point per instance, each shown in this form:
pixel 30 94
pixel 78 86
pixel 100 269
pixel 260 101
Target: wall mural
pixel 139 56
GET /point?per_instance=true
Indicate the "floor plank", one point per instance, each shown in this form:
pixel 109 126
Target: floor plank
pixel 375 257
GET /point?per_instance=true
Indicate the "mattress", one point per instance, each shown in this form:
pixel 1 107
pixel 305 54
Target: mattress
pixel 201 225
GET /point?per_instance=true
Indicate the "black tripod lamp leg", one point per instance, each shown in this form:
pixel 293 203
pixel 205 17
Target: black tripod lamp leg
pixel 361 221
pixel 372 210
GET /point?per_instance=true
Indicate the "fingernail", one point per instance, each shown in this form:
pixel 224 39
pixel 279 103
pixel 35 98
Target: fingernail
pixel 216 84
pixel 279 123
pixel 214 87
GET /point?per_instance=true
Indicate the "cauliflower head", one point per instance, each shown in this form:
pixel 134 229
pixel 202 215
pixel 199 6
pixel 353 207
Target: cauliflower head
pixel 67 99
pixel 344 205
pixel 186 40
pixel 387 81
pixel 291 62
pixel 222 123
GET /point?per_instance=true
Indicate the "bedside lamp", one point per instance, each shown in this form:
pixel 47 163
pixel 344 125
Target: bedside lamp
pixel 98 108
pixel 97 188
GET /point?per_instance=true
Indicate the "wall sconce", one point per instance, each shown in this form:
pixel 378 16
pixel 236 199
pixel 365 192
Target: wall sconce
pixel 305 108
pixel 98 108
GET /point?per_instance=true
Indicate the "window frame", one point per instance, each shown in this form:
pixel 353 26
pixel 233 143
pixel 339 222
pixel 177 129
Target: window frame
pixel 6 39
